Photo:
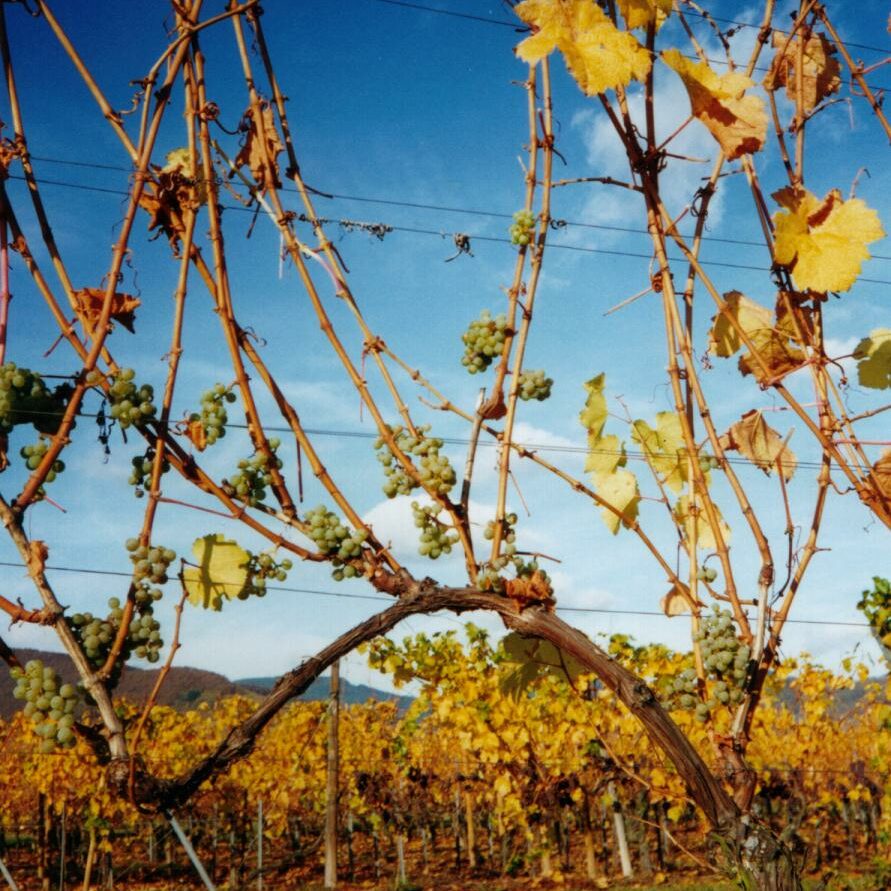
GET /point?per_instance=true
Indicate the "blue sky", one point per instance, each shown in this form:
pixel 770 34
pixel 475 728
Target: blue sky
pixel 396 103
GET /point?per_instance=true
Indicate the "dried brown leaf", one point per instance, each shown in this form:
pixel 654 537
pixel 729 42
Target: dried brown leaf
pixel 91 300
pixel 530 590
pixel 820 72
pixel 752 437
pixel 677 601
pixel 197 434
pixel 252 152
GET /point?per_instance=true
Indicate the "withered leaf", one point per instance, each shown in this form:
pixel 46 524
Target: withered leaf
pixel 882 473
pixel 677 601
pixel 197 434
pixel 91 300
pixel 530 590
pixel 820 71
pixel 753 437
pixel 252 153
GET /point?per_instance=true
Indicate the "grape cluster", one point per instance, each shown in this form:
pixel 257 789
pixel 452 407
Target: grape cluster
pixel 708 462
pixel 434 470
pixel 25 399
pixel 261 568
pixel 141 471
pixel 725 660
pixel 332 537
pixel 131 405
pixel 508 540
pixel 96 636
pixel 523 228
pixel 213 417
pixel 254 474
pixel 33 455
pixel 49 704
pixel 681 691
pixel 436 537
pixel 150 564
pixel 707 574
pixel 534 385
pixel 483 341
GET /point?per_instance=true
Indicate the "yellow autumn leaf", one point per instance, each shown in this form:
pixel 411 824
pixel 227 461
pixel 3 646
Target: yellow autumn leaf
pixel 705 535
pixel 820 71
pixel 640 13
pixel 737 121
pixel 619 488
pixel 752 437
pixel 874 359
pixel 604 454
pixel 222 571
pixel 593 415
pixel 599 55
pixel 724 339
pixel 823 242
pixel 664 448
pixel 777 353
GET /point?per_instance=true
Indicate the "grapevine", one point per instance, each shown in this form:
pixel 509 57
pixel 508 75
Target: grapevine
pixel 534 385
pixel 483 341
pixel 435 472
pixel 213 417
pixel 523 228
pixel 436 537
pixel 725 660
pixel 875 604
pixel 48 703
pixel 335 539
pixel 254 475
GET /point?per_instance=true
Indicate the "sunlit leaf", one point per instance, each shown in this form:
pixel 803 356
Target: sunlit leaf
pixel 599 55
pixel 874 359
pixel 823 242
pixel 677 601
pixel 750 316
pixel 620 489
pixel 737 121
pixel 705 535
pixel 593 415
pixel 665 448
pixel 261 146
pixel 753 437
pixel 222 571
pixel 640 13
pixel 91 300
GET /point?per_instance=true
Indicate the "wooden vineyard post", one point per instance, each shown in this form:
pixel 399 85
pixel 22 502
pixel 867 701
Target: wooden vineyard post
pixel 260 845
pixel 8 876
pixel 190 850
pixel 621 837
pixel 332 781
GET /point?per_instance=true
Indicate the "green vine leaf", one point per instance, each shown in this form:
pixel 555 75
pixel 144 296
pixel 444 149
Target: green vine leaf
pixel 222 571
pixel 535 658
pixel 874 359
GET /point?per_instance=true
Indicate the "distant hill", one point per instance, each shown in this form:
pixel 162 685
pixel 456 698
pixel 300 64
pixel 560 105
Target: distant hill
pixel 186 687
pixel 350 694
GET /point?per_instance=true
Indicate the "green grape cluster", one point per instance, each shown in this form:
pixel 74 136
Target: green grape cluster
pixel 508 541
pixel 522 228
pixel 96 636
pixel 131 405
pixel 707 574
pixel 25 399
pixel 33 455
pixel 262 568
pixel 534 385
pixel 255 474
pixel 141 471
pixel 150 563
pixel 681 691
pixel 436 538
pixel 434 470
pixel 725 660
pixel 708 462
pixel 49 704
pixel 337 540
pixel 213 416
pixel 483 341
